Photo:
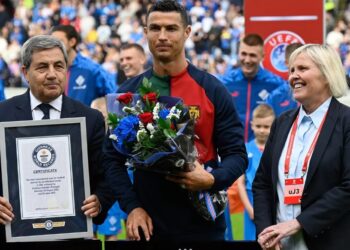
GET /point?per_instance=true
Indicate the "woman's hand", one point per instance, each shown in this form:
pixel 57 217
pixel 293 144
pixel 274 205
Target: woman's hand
pixel 271 236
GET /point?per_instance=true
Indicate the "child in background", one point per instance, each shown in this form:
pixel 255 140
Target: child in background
pixel 112 224
pixel 263 117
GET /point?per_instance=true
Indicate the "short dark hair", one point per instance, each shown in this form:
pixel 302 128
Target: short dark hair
pixel 133 45
pixel 290 49
pixel 253 40
pixel 70 32
pixel 169 6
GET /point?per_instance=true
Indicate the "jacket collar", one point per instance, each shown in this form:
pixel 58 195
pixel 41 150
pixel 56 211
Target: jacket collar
pixel 24 109
pixel 321 144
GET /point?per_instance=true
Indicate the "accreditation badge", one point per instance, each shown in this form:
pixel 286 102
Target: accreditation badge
pixel 293 190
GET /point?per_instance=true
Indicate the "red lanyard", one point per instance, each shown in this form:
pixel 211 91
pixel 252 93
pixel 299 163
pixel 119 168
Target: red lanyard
pixel 309 152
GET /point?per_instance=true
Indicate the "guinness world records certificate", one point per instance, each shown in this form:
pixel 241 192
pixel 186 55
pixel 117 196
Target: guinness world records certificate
pixel 45 174
pixel 45 177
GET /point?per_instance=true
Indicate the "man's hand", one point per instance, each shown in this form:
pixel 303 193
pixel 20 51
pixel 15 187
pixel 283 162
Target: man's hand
pixel 138 218
pixel 91 206
pixel 195 180
pixel 6 214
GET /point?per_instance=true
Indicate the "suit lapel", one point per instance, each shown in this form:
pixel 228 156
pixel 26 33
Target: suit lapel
pixel 68 107
pixel 323 139
pixel 281 139
pixel 24 111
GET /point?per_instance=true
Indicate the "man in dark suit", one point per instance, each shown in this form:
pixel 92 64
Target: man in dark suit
pixel 44 65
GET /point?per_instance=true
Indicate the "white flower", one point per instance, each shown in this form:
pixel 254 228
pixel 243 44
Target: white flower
pixel 138 107
pixel 156 111
pixel 113 137
pixel 130 110
pixel 140 134
pixel 150 128
pixel 174 113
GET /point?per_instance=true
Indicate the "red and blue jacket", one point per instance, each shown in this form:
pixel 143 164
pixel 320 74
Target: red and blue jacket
pixel 248 94
pixel 220 133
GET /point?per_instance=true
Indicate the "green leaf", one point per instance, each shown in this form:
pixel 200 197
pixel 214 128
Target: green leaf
pixel 112 120
pixel 169 133
pixel 164 124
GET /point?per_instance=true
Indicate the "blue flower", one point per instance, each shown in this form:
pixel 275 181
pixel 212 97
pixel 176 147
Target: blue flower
pixel 164 113
pixel 126 130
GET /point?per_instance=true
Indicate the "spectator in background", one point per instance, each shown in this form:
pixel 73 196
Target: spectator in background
pixel 281 99
pixel 336 36
pixel 132 59
pixel 6 12
pixel 87 79
pixel 263 117
pixel 250 84
pixel 4 76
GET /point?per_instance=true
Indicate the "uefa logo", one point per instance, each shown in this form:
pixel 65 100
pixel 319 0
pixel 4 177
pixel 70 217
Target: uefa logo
pixel 275 46
pixel 48 225
pixel 44 155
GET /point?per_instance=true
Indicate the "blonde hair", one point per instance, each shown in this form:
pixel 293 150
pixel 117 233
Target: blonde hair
pixel 100 104
pixel 328 62
pixel 262 111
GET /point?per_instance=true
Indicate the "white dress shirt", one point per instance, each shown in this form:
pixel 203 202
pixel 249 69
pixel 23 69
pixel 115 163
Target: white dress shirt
pixel 37 114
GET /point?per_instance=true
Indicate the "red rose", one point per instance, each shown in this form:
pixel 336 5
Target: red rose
pixel 146 117
pixel 125 98
pixel 152 97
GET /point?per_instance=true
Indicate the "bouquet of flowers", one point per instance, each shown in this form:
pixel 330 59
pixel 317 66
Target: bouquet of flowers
pixel 157 134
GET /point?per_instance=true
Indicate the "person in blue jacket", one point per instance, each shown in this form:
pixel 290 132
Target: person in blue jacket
pixel 4 71
pixel 250 84
pixel 87 80
pixel 281 99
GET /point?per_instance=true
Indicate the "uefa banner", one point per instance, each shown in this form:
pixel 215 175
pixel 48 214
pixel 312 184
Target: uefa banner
pixel 281 23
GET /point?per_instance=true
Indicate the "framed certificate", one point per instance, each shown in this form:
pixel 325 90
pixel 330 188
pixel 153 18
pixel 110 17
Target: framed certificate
pixel 45 177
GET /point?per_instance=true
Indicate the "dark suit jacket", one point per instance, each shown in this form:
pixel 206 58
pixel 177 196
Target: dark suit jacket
pixel 325 205
pixel 18 109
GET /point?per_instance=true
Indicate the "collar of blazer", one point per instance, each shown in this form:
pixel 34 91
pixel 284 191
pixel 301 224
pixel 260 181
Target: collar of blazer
pixel 283 126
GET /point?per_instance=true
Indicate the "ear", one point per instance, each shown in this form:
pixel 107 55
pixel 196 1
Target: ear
pixel 24 72
pixel 188 30
pixel 72 42
pixel 143 60
pixel 251 124
pixel 145 30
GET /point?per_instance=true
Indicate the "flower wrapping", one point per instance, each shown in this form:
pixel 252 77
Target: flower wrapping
pixel 157 134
